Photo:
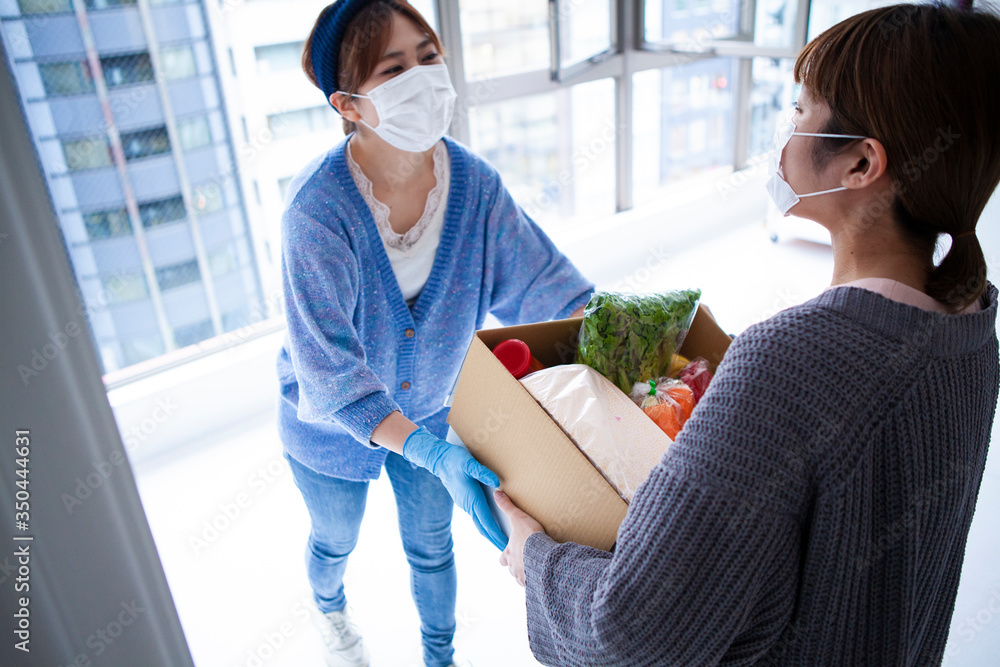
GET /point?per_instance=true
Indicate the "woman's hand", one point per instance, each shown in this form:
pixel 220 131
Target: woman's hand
pixel 521 526
pixel 461 474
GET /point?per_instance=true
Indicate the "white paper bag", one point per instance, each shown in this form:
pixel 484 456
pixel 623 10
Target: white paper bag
pixel 611 431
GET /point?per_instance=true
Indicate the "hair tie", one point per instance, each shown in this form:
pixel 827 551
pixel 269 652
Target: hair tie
pixel 962 235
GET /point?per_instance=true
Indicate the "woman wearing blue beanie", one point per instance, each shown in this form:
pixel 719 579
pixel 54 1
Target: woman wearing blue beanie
pixel 396 244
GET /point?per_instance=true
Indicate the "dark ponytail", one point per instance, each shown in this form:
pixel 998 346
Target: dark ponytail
pixel 960 278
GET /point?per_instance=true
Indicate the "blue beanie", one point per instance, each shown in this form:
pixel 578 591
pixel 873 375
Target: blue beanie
pixel 326 39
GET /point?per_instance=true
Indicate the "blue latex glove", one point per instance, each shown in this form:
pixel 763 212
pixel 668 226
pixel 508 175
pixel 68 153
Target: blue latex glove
pixel 456 468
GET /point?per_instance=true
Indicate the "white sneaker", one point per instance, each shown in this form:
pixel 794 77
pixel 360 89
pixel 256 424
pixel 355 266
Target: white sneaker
pixel 344 645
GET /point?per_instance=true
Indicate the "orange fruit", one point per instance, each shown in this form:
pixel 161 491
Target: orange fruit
pixel 684 397
pixel 668 416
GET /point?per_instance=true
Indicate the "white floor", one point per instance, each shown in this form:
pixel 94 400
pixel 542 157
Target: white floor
pixel 230 525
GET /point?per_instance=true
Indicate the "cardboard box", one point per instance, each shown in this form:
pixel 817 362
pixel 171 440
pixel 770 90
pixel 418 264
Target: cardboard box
pixel 539 466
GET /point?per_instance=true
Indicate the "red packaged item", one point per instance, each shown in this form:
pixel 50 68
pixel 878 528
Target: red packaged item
pixel 697 376
pixel 516 357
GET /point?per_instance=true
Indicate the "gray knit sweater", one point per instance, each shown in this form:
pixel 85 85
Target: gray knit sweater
pixel 814 510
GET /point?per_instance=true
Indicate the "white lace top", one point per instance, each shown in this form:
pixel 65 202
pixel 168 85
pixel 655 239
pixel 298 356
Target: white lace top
pixel 411 254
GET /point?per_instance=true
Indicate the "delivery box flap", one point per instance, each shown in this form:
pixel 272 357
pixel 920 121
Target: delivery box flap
pixel 511 434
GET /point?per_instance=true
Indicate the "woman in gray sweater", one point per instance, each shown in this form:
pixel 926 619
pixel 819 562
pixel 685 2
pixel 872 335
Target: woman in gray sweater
pixel 814 510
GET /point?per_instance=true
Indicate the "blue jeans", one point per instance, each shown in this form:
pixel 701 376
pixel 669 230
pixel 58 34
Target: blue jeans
pixel 336 507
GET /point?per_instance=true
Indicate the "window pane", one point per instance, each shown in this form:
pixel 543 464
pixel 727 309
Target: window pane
pixel 236 319
pixel 683 123
pixel 66 78
pixel 140 348
pixel 87 153
pixel 193 133
pixel 178 63
pixel 221 262
pixel 142 144
pixel 176 275
pixel 125 70
pixel 44 6
pixel 555 151
pixel 775 23
pixel 105 4
pixel 521 138
pixel 123 287
pixel 584 29
pixel 773 90
pixel 193 333
pixel 163 211
pixel 691 24
pixel 107 224
pixel 504 37
pixel 279 57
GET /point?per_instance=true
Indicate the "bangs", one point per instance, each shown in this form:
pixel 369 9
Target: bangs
pixel 833 64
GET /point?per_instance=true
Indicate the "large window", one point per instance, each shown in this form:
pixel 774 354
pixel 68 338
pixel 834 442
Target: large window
pixel 128 108
pixel 586 107
pixel 590 107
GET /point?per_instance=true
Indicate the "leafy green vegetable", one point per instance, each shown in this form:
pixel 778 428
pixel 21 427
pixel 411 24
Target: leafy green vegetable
pixel 631 338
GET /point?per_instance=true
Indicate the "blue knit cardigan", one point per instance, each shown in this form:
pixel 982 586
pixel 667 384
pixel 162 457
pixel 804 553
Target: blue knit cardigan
pixel 354 351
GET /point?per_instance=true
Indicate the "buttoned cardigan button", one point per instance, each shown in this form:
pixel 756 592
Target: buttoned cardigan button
pixel 409 333
pixel 405 385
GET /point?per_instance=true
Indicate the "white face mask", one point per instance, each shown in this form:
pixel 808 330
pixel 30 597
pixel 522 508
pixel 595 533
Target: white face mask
pixel 779 189
pixel 414 109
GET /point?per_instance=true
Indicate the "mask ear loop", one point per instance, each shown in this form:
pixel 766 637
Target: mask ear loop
pixel 364 97
pixel 829 136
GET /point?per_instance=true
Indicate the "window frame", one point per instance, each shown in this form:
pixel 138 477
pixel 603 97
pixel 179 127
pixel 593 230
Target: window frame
pixel 629 54
pixel 562 74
